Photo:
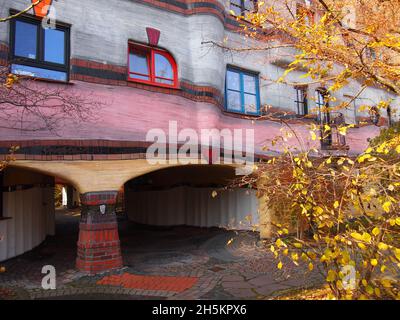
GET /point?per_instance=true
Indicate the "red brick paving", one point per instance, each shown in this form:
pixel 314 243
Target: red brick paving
pixel 133 281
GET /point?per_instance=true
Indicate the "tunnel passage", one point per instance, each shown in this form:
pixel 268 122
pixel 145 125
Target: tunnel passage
pixel 192 195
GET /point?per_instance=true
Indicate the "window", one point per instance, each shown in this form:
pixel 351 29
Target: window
pixel 242 91
pixel 370 53
pixel 39 52
pixel 152 66
pixel 241 7
pixel 301 101
pixel 322 105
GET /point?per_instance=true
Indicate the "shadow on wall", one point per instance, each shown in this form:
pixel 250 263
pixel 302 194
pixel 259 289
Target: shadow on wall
pixel 233 209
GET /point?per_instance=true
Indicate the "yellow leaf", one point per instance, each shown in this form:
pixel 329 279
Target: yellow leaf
pixel 366 237
pixel 369 290
pixel 375 231
pixel 382 246
pixel 398 149
pixel 310 266
pixel 363 157
pixel 331 276
pixel 280 265
pixel 397 253
pixel 229 242
pixel 386 283
pixel 336 204
pixel 313 135
pixel 362 246
pixel 374 262
pixel 386 206
pixel 364 282
pixel 356 235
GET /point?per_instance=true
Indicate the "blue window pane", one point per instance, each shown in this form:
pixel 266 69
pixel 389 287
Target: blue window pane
pixel 163 67
pixel 38 72
pixel 138 63
pixel 25 39
pixel 249 84
pixel 242 92
pixel 233 80
pixel 249 5
pixel 54 46
pixel 250 103
pixel 234 101
pixel 237 10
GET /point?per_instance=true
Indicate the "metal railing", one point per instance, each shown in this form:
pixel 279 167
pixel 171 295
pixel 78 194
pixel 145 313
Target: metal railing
pixel 332 139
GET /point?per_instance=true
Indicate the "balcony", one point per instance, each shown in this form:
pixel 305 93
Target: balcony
pixel 332 139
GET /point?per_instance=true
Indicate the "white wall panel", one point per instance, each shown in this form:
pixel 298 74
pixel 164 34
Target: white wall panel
pixel 194 207
pixel 32 219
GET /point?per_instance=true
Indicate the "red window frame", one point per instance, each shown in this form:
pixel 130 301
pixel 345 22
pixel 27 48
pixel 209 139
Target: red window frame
pixel 150 54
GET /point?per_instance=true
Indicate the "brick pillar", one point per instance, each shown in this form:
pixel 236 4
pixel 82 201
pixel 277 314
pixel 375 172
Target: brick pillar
pixel 98 245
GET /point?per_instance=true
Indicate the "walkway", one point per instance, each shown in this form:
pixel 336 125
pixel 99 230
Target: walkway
pixel 159 263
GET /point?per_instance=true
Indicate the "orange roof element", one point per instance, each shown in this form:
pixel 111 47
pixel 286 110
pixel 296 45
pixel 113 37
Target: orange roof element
pixel 163 283
pixel 42 8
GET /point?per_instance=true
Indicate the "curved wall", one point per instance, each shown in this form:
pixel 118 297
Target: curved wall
pixel 236 209
pixel 100 30
pixel 31 214
pixel 28 211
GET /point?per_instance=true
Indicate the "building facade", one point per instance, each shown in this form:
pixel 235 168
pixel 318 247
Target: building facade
pixel 148 65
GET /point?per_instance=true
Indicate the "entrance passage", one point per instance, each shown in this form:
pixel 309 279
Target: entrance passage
pixel 193 196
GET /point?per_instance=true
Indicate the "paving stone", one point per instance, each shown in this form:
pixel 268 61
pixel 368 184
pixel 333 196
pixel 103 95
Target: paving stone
pixel 236 284
pixel 242 293
pixel 269 289
pixel 261 281
pixel 232 278
pixel 227 272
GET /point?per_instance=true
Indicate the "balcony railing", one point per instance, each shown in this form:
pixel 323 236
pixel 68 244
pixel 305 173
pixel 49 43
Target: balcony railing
pixel 332 139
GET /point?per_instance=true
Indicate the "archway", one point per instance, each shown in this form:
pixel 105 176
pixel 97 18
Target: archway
pixel 192 195
pixel 182 219
pixel 29 216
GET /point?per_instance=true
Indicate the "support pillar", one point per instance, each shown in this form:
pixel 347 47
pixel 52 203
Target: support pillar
pixel 98 245
pixel 265 217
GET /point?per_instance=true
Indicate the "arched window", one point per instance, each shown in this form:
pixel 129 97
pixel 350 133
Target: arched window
pixel 152 66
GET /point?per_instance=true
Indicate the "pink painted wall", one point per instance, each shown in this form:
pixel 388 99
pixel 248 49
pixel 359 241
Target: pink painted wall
pixel 128 113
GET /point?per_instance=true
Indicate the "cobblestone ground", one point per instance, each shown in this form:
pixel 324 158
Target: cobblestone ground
pixel 197 260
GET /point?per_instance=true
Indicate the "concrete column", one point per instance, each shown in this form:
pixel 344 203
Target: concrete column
pixel 266 214
pixel 98 245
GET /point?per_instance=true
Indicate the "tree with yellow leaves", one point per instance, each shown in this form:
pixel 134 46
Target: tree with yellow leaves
pixel 337 214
